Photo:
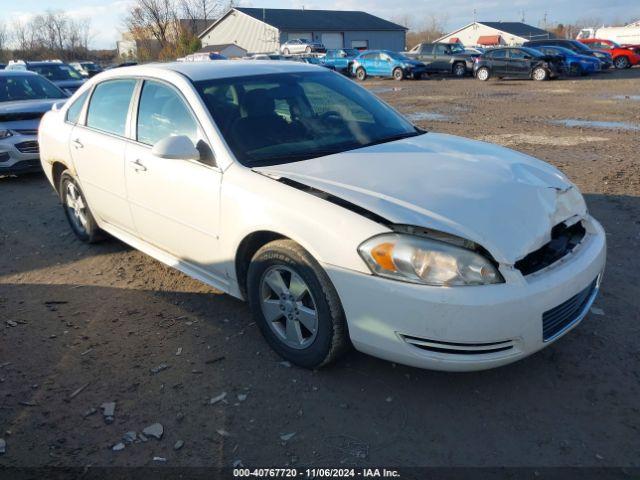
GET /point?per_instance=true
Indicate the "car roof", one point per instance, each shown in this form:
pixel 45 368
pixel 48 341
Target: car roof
pixel 17 73
pixel 197 71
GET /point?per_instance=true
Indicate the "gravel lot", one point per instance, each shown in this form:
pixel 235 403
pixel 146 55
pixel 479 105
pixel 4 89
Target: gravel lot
pixel 103 317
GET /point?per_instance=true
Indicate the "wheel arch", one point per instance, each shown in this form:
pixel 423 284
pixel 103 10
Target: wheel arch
pixel 245 251
pixel 57 169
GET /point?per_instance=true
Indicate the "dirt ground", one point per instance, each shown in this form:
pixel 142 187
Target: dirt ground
pixel 103 317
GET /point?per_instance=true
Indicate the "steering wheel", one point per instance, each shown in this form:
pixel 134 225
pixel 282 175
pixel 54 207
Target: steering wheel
pixel 331 114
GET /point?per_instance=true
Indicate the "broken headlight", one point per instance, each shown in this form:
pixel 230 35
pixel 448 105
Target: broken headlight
pixel 416 259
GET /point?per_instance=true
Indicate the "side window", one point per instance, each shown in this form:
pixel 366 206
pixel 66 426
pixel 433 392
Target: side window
pixel 517 54
pixel 162 113
pixel 73 114
pixel 427 49
pixel 441 49
pixel 499 54
pixel 109 106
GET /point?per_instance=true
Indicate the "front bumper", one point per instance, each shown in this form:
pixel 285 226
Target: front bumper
pixel 19 154
pixel 468 328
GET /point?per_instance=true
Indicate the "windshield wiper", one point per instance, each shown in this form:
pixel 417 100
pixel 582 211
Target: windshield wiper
pixel 393 138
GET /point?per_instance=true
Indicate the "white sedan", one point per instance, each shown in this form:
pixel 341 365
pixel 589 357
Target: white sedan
pixel 340 222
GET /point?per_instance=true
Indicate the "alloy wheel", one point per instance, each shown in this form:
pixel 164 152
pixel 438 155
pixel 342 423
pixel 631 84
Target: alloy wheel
pixel 288 306
pixel 483 74
pixel 540 74
pixel 76 207
pixel 459 70
pixel 621 62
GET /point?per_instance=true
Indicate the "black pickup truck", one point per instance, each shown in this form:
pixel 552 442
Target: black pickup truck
pixel 443 58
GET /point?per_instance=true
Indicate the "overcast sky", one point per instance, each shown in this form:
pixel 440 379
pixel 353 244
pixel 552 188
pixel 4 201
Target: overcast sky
pixel 107 15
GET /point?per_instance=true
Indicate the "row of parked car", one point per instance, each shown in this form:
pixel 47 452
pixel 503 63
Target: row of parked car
pixel 537 59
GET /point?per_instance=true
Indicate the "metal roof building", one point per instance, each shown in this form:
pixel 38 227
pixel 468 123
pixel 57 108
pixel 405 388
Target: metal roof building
pixel 262 30
pixel 495 34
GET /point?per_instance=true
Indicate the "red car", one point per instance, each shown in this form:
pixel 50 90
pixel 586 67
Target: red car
pixel 623 57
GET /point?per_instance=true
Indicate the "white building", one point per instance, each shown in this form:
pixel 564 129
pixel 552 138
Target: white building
pixel 485 34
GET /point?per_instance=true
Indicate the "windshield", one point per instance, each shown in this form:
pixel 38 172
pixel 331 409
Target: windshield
pixel 532 52
pixel 283 118
pixel 57 71
pixel 396 56
pixel 27 87
pixel 580 46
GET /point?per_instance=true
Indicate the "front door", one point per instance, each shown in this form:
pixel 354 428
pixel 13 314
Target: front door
pixel 175 203
pixel 442 56
pixel 498 62
pixel 98 150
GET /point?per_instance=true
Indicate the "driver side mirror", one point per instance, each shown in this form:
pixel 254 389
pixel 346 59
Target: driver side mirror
pixel 176 147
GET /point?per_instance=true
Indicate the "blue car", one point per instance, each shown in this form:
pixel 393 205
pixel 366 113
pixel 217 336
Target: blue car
pixel 340 59
pixel 574 63
pixel 385 63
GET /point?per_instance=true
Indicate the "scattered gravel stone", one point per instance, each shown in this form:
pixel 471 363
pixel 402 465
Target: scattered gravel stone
pixel 597 311
pixel 286 364
pixel 388 399
pixel 178 445
pixel 180 416
pixel 90 412
pixel 179 351
pixel 223 433
pixel 159 368
pixel 217 399
pixel 142 438
pixel 117 447
pixel 156 430
pixel 237 464
pixel 129 437
pixel 11 323
pixel 242 397
pixel 285 437
pixel 159 459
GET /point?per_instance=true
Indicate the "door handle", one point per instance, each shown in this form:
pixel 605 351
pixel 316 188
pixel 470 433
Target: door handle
pixel 77 144
pixel 139 166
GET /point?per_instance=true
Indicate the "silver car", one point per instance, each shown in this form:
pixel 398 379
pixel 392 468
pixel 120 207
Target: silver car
pixel 302 45
pixel 24 98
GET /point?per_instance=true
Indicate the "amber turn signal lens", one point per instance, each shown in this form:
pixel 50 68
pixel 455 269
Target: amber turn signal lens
pixel 383 256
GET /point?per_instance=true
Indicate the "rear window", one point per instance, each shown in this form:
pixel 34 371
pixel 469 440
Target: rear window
pixel 73 113
pixel 109 106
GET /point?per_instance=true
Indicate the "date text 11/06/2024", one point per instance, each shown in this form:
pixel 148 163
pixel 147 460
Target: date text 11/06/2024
pixel 316 473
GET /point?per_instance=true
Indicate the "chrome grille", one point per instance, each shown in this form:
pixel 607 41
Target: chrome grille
pixel 28 147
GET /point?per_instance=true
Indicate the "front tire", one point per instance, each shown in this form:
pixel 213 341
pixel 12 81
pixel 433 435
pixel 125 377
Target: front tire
pixel 398 74
pixel 540 74
pixel 621 62
pixel 361 74
pixel 77 211
pixel 483 74
pixel 295 305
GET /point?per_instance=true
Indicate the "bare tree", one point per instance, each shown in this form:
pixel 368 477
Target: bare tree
pixel 201 9
pixel 153 19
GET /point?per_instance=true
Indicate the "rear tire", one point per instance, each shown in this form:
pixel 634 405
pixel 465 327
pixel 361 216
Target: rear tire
pixel 483 74
pixel 77 211
pixel 540 74
pixel 398 74
pixel 361 74
pixel 621 62
pixel 459 70
pixel 296 306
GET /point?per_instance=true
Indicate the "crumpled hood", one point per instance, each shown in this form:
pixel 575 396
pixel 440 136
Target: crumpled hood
pixel 501 199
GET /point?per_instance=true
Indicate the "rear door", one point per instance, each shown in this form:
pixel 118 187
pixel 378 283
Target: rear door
pixel 175 203
pixel 441 58
pixel 519 63
pixel 427 56
pixel 98 147
pixel 498 62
